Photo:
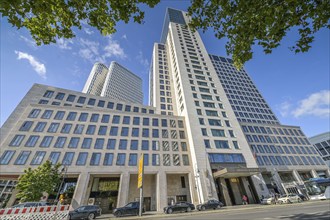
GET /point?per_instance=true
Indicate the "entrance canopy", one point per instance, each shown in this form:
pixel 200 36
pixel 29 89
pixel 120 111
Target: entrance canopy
pixel 231 172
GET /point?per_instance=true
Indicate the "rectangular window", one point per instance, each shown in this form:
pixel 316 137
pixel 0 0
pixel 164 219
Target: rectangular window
pixel 53 127
pixel 126 120
pixel 90 129
pixel 86 144
pixel 17 140
pixel 111 144
pixel 155 160
pixel 31 142
pixel 83 116
pixel 105 119
pixel 121 158
pixel 79 129
pixel 136 121
pixel 91 102
pixel 22 157
pixel 81 100
pixel 122 144
pixel 40 127
pixel 95 159
pixel 68 157
pixel 211 113
pixel 116 119
pixel 94 118
pixel 46 141
pixel 102 130
pixel 221 144
pixel 145 145
pixel 132 160
pixel 81 160
pixel 26 126
pixel 146 121
pixel 6 157
pixel 38 157
pixel 71 98
pixel 124 131
pixel 60 142
pixel 108 158
pixel 53 157
pixel 135 132
pixel 146 159
pixel 71 116
pixel 101 103
pixel 145 132
pixel 74 141
pixel 134 144
pixel 218 133
pixel 119 107
pixel 110 105
pixel 113 131
pixel 155 145
pixel 47 114
pixel 99 143
pixel 34 113
pixel 59 96
pixel 185 160
pixel 235 145
pixel 155 133
pixel 66 128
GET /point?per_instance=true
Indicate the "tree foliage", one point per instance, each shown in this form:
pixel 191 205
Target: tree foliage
pixel 263 22
pixel 34 182
pixel 52 19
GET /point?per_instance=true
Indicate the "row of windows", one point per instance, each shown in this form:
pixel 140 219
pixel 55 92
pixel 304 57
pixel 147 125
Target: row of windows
pixel 290 160
pixel 268 130
pixel 98 143
pixel 283 149
pixel 92 102
pixel 95 158
pixel 104 118
pixel 276 139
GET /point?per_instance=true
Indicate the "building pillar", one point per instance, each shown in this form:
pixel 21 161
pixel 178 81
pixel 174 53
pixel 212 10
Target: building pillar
pixel 79 198
pixel 297 177
pixel 327 172
pixel 314 174
pixel 278 181
pixel 123 189
pixel 225 192
pixel 12 198
pixel 161 190
pixel 260 185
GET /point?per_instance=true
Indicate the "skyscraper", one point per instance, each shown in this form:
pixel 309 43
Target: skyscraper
pixel 321 143
pixel 207 133
pixel 95 82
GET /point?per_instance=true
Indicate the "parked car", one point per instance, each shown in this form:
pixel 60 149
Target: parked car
pixel 179 207
pixel 85 212
pixel 210 204
pixel 268 201
pixel 32 204
pixel 289 198
pixel 303 197
pixel 131 208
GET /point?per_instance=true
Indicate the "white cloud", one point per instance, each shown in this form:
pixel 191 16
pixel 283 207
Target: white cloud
pixel 91 50
pixel 37 66
pixel 317 104
pixel 64 43
pixel 124 36
pixel 142 60
pixel 88 31
pixel 29 42
pixel 284 108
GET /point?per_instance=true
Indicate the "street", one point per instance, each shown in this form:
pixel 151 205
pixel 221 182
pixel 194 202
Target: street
pixel 319 210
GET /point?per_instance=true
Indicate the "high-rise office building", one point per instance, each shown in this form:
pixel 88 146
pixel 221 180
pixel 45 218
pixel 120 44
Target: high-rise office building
pixel 321 142
pixel 207 133
pixel 115 82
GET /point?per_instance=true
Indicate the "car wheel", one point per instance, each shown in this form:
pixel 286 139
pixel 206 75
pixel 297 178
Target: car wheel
pixel 188 209
pixel 169 211
pixel 289 201
pixel 118 214
pixel 91 216
pixel 218 207
pixel 280 202
pixel 203 208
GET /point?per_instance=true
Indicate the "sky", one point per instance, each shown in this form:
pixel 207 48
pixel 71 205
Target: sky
pixel 296 86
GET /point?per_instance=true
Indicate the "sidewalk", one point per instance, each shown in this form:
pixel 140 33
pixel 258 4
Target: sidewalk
pixel 154 214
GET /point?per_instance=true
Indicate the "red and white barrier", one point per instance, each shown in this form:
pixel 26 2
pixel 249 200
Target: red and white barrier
pixel 39 213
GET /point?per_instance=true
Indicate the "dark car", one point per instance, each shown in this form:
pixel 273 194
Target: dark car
pixel 131 208
pixel 303 197
pixel 179 207
pixel 85 212
pixel 211 204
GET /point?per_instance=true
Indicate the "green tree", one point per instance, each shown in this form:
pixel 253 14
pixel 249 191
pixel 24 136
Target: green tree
pixel 34 182
pixel 263 22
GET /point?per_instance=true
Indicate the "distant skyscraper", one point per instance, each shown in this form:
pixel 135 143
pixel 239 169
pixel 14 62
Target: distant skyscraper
pixel 322 144
pixel 122 84
pixel 96 79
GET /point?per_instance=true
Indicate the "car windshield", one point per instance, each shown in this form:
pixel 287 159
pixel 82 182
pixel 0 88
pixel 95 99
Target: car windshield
pixel 129 205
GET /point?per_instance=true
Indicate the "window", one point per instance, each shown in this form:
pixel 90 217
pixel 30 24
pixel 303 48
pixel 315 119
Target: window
pixel 122 144
pixel 83 116
pixel 81 160
pixel 60 142
pixel 136 121
pixel 164 122
pixel 113 131
pixel 38 157
pixel 74 141
pixel 95 159
pixel 71 98
pixel 79 129
pixel 211 113
pixel 99 143
pixel 121 159
pixel 31 142
pixel 134 144
pixel 214 122
pixel 34 113
pixel 108 158
pixel 91 101
pixel 119 107
pixel 155 145
pixel 146 159
pixel 22 158
pixel 155 122
pixel 40 127
pixel 124 131
pixel 59 115
pixel 155 160
pixel 226 158
pixel 102 130
pixel 115 119
pixel 47 114
pixel 66 128
pixel 218 133
pixel 145 145
pixel 185 160
pixel 81 100
pixel 46 141
pixel 53 127
pixel 111 144
pixel 26 126
pixel 110 105
pixel 145 132
pixel 235 145
pixel 53 157
pixel 132 160
pixel 221 144
pixel 6 157
pixel 59 96
pixel 105 119
pixel 146 121
pixel 183 182
pixel 126 120
pixel 135 132
pixel 68 157
pixel 90 129
pixel 71 116
pixel 101 103
pixel 155 133
pixel 94 118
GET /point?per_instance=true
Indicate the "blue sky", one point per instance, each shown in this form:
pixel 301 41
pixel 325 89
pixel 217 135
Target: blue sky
pixel 296 86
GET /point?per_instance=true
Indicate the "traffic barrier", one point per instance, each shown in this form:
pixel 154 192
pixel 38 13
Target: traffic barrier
pixel 36 213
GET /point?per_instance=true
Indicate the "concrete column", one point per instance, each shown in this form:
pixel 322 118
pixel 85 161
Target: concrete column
pixel 225 192
pixel 12 199
pixel 314 174
pixel 80 195
pixel 276 177
pixel 123 189
pixel 161 190
pixel 297 177
pixel 260 185
pixel 327 172
pixel 193 189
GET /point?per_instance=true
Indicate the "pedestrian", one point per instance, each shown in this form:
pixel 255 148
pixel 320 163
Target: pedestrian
pixel 245 200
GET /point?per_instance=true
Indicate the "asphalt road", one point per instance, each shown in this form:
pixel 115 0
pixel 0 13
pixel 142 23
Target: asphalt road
pixel 301 211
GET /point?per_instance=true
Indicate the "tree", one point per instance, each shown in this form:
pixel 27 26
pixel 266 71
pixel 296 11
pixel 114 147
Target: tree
pixel 49 20
pixel 34 182
pixel 243 22
pixel 262 22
